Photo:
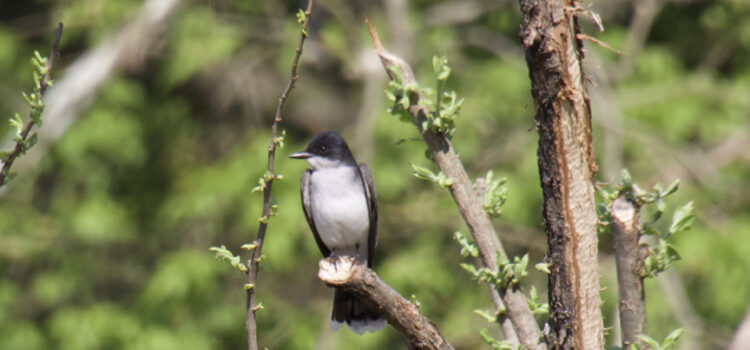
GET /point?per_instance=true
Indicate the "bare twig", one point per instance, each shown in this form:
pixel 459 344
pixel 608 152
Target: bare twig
pixel 84 78
pixel 505 323
pixel 349 275
pixel 255 259
pixel 19 147
pixel 581 36
pixel 468 203
pixel 625 235
pixel 566 169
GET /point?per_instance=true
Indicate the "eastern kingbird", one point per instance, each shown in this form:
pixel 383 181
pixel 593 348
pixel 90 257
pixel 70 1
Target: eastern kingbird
pixel 338 198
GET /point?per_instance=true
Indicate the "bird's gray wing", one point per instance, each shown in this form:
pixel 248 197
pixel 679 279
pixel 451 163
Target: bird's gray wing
pixel 304 189
pixel 372 206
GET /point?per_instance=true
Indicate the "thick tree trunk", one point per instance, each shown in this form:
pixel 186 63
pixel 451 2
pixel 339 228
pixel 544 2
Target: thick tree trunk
pixel 566 169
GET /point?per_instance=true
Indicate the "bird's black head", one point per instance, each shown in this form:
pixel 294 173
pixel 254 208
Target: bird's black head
pixel 326 149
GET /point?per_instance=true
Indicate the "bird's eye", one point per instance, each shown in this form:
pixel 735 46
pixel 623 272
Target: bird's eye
pixel 323 149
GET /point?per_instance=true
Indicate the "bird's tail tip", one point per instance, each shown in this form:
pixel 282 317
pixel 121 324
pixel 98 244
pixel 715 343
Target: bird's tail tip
pixel 360 318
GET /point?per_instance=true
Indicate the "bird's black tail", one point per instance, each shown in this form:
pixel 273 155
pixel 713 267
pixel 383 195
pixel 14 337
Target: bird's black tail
pixel 360 318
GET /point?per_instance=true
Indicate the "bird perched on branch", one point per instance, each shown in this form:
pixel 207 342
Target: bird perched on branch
pixel 338 198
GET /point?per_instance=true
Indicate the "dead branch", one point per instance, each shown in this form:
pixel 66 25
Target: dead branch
pixel 626 231
pixel 251 325
pixel 347 274
pixel 468 203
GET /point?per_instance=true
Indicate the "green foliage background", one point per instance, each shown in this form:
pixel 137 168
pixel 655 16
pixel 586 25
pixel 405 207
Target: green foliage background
pixel 104 241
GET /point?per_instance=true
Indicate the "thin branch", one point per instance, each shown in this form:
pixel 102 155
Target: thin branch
pixel 349 275
pixel 84 78
pixel 505 323
pixel 255 259
pixel 625 235
pixel 581 36
pixel 468 203
pixel 20 147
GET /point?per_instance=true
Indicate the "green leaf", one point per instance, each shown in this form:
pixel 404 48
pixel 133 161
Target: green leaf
pixel 441 68
pixel 470 268
pixel 467 248
pixel 17 122
pixel 650 341
pixel 223 254
pixel 682 219
pixel 30 142
pixel 495 195
pixel 543 267
pixel 443 180
pixel 423 173
pixel 490 317
pixel 248 246
pixel 670 342
pixel 672 188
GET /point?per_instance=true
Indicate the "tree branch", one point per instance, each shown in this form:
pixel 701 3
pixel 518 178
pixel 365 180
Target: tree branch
pixel 347 274
pixel 468 203
pixel 20 146
pixel 255 259
pixel 84 77
pixel 625 235
pixel 566 169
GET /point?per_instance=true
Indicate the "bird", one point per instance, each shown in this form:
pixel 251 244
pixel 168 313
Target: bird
pixel 341 208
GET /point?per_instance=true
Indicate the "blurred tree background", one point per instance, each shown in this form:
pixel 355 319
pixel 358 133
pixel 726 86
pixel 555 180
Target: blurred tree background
pixel 104 233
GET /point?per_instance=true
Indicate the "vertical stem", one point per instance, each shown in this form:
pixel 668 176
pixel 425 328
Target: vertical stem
pixel 252 305
pixel 18 149
pixel 625 236
pixel 566 170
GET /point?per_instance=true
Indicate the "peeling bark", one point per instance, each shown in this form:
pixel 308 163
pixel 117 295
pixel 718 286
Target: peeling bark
pixel 566 169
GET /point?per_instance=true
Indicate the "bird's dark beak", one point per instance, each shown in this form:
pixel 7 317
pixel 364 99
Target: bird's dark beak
pixel 300 155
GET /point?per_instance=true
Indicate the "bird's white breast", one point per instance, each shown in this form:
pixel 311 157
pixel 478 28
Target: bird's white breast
pixel 340 211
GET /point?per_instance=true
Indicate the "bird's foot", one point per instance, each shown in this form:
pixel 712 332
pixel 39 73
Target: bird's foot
pixel 338 269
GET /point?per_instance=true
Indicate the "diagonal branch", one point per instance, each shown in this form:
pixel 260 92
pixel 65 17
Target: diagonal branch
pixel 252 273
pixel 347 274
pixel 20 146
pixel 468 203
